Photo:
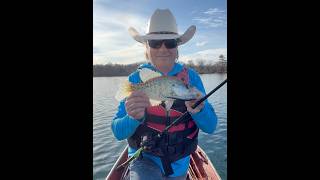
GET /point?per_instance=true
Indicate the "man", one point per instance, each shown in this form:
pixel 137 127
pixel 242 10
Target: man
pixel 169 156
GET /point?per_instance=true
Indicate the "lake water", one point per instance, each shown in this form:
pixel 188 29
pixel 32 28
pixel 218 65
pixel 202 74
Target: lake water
pixel 106 149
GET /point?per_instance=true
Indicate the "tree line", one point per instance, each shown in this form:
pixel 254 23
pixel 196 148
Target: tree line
pixel 124 70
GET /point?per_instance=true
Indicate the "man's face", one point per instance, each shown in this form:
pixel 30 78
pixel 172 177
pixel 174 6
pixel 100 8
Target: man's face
pixel 162 53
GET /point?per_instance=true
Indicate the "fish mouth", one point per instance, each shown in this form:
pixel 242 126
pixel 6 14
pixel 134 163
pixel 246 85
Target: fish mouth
pixel 183 99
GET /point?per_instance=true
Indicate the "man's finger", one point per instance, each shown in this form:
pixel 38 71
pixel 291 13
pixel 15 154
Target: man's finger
pixel 136 112
pixel 137 105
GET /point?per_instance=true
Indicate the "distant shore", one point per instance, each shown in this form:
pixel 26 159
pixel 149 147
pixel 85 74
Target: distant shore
pixel 111 70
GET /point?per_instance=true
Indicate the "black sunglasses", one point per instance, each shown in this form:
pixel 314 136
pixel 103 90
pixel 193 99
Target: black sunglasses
pixel 169 43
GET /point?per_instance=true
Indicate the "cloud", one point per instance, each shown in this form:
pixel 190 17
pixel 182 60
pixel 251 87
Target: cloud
pixel 212 11
pixel 210 22
pixel 95 50
pixel 203 20
pixel 111 40
pixel 209 55
pixel 127 55
pixel 213 17
pixel 201 43
pixel 193 12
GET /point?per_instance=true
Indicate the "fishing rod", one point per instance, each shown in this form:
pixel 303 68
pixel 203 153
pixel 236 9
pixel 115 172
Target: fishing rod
pixel 185 114
pixel 182 117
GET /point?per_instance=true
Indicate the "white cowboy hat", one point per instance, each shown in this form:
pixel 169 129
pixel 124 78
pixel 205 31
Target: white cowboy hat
pixel 162 25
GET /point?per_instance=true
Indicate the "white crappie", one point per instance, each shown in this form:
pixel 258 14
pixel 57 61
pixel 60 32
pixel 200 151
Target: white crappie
pixel 159 88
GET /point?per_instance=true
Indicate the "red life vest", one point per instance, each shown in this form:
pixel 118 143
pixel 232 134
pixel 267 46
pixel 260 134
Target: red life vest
pixel 181 139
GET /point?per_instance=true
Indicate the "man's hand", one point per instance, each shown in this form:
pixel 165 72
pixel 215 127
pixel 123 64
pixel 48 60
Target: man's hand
pixel 197 109
pixel 136 103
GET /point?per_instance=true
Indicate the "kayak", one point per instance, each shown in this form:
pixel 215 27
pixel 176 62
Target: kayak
pixel 200 167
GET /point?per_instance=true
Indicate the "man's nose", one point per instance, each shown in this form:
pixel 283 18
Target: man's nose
pixel 163 47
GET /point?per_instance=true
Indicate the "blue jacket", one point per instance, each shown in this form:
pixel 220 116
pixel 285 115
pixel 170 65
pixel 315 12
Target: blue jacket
pixel 124 126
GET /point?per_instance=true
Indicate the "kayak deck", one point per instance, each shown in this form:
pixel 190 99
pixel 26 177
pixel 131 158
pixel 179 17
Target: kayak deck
pixel 200 167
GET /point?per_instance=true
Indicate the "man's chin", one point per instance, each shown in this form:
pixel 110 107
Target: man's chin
pixel 166 59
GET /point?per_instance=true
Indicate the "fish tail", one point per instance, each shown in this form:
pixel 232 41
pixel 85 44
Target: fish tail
pixel 197 92
pixel 125 90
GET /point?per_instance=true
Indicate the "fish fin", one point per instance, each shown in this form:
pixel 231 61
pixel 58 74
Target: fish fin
pixel 154 102
pixel 146 74
pixel 169 104
pixel 125 90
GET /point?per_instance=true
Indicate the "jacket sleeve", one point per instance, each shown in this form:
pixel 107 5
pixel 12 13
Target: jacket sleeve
pixel 206 119
pixel 123 126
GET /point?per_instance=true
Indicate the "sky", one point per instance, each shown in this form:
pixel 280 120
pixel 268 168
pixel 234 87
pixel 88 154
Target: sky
pixel 112 18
